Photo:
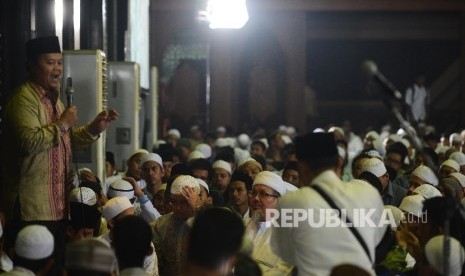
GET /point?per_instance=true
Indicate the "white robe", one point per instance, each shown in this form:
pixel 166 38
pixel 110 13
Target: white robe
pixel 317 250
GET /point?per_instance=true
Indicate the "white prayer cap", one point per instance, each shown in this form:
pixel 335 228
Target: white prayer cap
pixel 34 242
pixel 341 151
pixel 203 184
pixel 434 250
pixel 115 206
pixel 157 144
pixel 338 129
pixel 290 130
pixel 405 142
pixel 286 139
pixel 290 187
pixel 120 188
pixel 374 153
pixel 459 157
pixel 83 195
pixel 379 147
pixel 375 166
pixel 455 138
pixel 397 214
pixel 427 191
pixel 282 128
pixel 271 180
pixel 174 132
pixel 221 142
pixel 231 141
pixel 140 151
pixel 243 140
pixel 184 181
pixel 426 174
pixel 401 132
pixel 318 130
pixel 84 169
pixel 195 155
pixel 221 129
pixel 90 254
pixel 250 160
pixel 221 164
pixel 372 134
pixel 265 141
pixel 205 149
pixel 441 149
pixel 412 204
pixel 240 154
pixel 394 137
pixel 451 163
pixel 460 178
pixel 152 157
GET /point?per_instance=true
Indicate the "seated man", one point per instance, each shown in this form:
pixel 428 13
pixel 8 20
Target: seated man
pixel 34 248
pixel 171 230
pixel 132 240
pixel 267 188
pixel 117 208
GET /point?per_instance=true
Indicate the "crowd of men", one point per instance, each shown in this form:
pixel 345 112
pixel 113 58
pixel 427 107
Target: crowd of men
pixel 321 203
pixel 202 207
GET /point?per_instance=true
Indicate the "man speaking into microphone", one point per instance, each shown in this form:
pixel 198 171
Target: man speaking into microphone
pixel 39 132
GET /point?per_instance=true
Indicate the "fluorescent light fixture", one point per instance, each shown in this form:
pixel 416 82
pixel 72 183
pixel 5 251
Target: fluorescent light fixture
pixel 59 20
pixel 227 14
pixel 77 23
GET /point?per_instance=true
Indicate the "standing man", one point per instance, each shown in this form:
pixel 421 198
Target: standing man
pixel 416 97
pixel 316 248
pixel 39 131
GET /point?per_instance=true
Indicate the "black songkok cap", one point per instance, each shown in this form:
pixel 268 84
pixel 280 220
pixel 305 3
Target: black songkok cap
pixel 42 45
pixel 240 176
pixel 314 146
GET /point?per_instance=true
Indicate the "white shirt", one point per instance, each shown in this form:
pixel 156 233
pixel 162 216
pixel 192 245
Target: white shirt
pixel 317 250
pixel 19 271
pixel 417 101
pixel 6 264
pixel 133 271
pixel 270 264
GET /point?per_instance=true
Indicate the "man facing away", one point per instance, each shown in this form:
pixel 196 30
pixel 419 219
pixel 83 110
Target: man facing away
pixel 315 249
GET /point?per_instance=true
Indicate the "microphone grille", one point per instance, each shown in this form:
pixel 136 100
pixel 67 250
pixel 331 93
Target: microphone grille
pixel 370 67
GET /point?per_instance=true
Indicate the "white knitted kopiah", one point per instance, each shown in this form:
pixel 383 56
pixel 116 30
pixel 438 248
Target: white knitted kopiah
pixel 375 166
pixel 434 251
pixel 459 157
pixel 34 242
pixel 413 205
pixel 205 149
pixel 115 206
pixel 221 164
pixel 184 181
pixel 427 191
pixel 426 174
pixel 460 178
pixel 83 195
pixel 120 188
pixel 451 163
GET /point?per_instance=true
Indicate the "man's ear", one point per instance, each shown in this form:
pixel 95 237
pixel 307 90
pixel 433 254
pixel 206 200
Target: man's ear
pixel 210 200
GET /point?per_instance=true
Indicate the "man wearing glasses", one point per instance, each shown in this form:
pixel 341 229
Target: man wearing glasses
pixel 267 188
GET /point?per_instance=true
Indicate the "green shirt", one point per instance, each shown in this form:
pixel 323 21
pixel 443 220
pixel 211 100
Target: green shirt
pixel 37 168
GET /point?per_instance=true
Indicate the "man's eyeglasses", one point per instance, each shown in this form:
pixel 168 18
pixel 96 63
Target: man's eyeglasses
pixel 262 194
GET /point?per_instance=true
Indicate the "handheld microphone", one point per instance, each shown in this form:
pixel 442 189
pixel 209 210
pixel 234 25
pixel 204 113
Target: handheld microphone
pixel 69 91
pixel 372 70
